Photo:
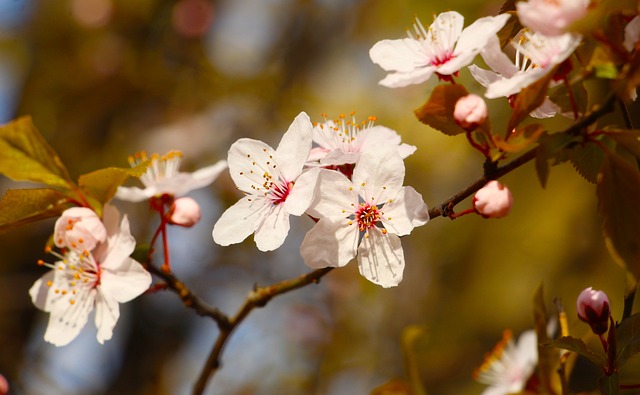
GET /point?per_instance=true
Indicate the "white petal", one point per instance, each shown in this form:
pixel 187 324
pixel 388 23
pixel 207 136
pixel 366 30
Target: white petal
pixel 401 79
pixel 120 244
pixel 407 211
pixel 484 77
pixel 380 173
pixel 126 282
pixel 527 350
pixel 338 157
pixel 381 259
pixel 377 135
pixel 334 193
pixel 41 293
pixel 65 324
pixel 107 314
pixel 445 31
pixel 331 242
pixel 133 194
pixel 201 177
pixel 403 55
pixel 496 59
pixel 240 220
pixel 510 86
pixel 248 161
pixel 302 193
pixel 293 150
pixel 547 109
pixel 632 33
pixel 273 230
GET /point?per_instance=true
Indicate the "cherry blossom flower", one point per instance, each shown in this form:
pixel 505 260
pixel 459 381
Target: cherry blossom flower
pixel 593 308
pixel 508 368
pixel 164 177
pixel 444 48
pixel 493 200
pixel 632 33
pixel 185 211
pixel 536 55
pixel 79 228
pixel 551 18
pixel 503 68
pixel 274 184
pixel 83 281
pixel 470 112
pixel 364 217
pixel 338 142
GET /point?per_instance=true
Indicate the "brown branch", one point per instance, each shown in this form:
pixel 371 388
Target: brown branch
pixel 258 297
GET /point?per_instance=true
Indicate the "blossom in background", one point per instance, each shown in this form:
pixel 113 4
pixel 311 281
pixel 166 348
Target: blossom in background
pixel 444 48
pixel 508 368
pixel 338 142
pixel 593 308
pixel 83 281
pixel 493 200
pixel 470 112
pixel 632 33
pixel 364 217
pixel 274 184
pixel 4 385
pixel 551 18
pixel 503 68
pixel 164 177
pixel 536 55
pixel 184 211
pixel 79 228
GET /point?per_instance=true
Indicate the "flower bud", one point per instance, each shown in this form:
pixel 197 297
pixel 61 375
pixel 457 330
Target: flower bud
pixel 493 200
pixel 184 212
pixel 80 229
pixel 470 112
pixel 593 308
pixel 4 385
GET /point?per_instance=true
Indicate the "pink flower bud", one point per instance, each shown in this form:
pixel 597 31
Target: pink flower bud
pixel 79 228
pixel 470 112
pixel 4 385
pixel 493 200
pixel 184 212
pixel 593 308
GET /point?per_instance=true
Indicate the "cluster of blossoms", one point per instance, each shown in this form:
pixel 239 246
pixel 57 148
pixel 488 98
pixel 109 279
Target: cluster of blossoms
pixel 346 176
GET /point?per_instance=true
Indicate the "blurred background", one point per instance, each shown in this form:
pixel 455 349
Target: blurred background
pixel 105 78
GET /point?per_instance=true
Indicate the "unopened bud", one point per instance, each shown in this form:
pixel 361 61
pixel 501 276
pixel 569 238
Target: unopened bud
pixel 184 212
pixel 4 385
pixel 470 112
pixel 493 200
pixel 593 308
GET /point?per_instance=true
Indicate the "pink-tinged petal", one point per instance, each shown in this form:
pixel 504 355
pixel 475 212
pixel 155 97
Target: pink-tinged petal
pixel 120 243
pixel 379 173
pixel 402 79
pixel 334 194
pixel 302 193
pixel 446 30
pixel 293 150
pixel 484 77
pixel 248 161
pixel 381 259
pixel 497 60
pixel 107 314
pixel 381 135
pixel 331 242
pixel 125 283
pixel 317 153
pixel 405 212
pixel 511 86
pixel 632 33
pixel 527 351
pixel 472 40
pixel 338 157
pixel 79 228
pixel 66 323
pixel 133 194
pixel 548 109
pixel 273 230
pixel 403 55
pixel 240 220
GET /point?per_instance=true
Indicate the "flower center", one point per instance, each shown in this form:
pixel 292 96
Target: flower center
pixel 367 216
pixel 436 41
pixel 161 167
pixel 346 133
pixel 279 190
pixel 80 272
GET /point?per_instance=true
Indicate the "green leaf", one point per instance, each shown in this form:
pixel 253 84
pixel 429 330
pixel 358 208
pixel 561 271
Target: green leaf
pixel 102 184
pixel 437 112
pixel 609 385
pixel 21 206
pixel 577 346
pixel 618 192
pixel 529 99
pixel 551 146
pixel 628 339
pixel 587 160
pixel 26 156
pixel 519 139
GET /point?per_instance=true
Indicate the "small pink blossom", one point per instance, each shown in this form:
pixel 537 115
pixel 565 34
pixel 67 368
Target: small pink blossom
pixel 4 385
pixel 185 212
pixel 593 308
pixel 470 112
pixel 494 200
pixel 79 228
pixel 551 18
